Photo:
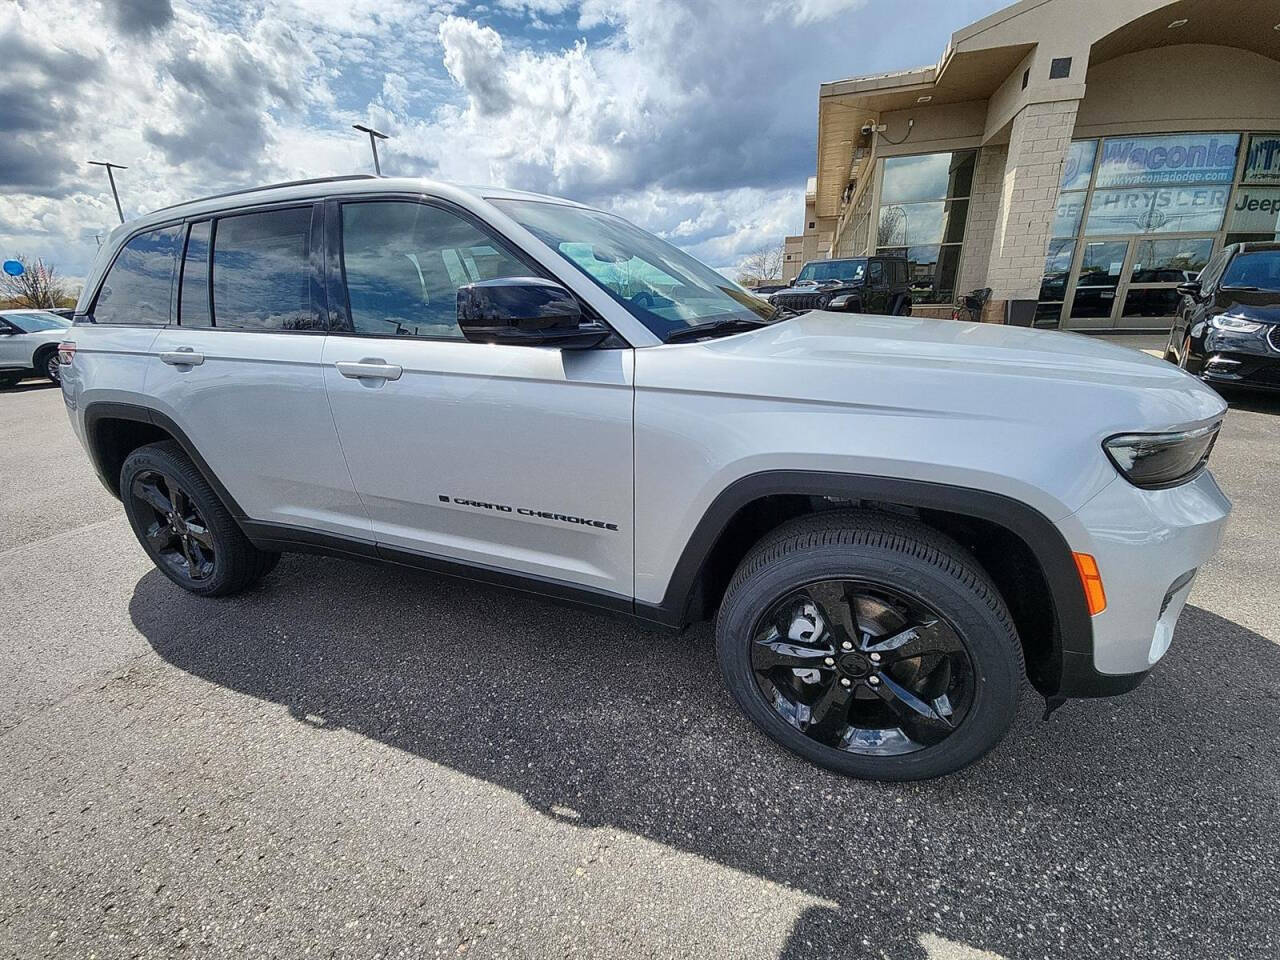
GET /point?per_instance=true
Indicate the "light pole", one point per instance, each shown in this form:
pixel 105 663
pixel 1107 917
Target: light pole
pixel 111 177
pixel 374 137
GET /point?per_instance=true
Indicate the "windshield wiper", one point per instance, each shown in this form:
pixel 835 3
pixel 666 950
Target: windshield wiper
pixel 713 327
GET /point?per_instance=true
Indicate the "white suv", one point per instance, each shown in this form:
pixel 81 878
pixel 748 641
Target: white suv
pixel 892 519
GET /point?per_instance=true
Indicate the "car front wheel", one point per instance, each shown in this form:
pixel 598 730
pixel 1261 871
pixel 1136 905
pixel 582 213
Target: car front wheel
pixel 870 645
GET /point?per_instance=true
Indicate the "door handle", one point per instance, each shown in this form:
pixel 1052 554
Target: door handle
pixel 369 370
pixel 182 357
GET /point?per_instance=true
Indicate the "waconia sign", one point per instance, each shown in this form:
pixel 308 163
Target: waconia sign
pixel 1183 158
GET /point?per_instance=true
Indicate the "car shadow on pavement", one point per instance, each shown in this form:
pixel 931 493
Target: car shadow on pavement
pixel 29 386
pixel 1252 401
pixel 1137 826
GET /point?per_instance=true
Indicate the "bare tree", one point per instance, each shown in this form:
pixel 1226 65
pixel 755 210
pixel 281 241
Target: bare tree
pixel 37 287
pixel 763 263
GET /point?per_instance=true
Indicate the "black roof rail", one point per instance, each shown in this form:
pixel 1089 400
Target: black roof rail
pixel 271 186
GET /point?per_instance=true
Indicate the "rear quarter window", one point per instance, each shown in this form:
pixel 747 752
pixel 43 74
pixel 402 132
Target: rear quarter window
pixel 138 287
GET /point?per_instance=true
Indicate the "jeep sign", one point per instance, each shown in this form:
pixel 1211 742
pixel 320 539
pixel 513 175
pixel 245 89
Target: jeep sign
pixel 1175 159
pixel 1256 210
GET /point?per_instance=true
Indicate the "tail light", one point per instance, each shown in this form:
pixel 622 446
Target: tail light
pixel 66 352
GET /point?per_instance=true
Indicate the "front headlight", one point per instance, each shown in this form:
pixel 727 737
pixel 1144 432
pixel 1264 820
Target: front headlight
pixel 1157 460
pixel 1234 324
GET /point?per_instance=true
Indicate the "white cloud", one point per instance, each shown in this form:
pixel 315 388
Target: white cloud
pixel 692 117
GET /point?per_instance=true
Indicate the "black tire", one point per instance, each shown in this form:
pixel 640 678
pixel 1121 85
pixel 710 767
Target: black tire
pixel 904 308
pixel 46 364
pixel 904 559
pixel 215 562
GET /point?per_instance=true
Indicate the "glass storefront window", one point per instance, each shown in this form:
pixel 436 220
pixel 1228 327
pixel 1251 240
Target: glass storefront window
pixel 1079 165
pixel 930 176
pixel 1183 158
pixel 1066 222
pixel 923 207
pixel 1053 286
pixel 1169 261
pixel 1162 210
pixel 1262 161
pixel 1255 210
pixel 931 271
pixel 906 224
pixel 1100 271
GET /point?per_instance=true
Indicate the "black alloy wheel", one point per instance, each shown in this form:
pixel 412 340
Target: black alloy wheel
pixel 870 644
pixel 862 667
pixel 173 527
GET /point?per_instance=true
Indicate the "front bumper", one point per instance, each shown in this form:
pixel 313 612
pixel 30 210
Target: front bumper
pixel 1148 545
pixel 1229 369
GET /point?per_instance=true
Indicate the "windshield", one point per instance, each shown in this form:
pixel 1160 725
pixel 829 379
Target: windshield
pixel 658 284
pixel 1260 269
pixel 35 322
pixel 824 271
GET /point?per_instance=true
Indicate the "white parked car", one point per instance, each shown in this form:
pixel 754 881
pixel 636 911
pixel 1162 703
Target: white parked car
pixel 893 520
pixel 29 345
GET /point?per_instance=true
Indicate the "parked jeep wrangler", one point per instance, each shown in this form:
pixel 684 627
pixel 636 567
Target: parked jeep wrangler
pixel 856 285
pixel 891 524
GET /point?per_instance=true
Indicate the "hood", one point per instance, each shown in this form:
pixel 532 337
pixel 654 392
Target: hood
pixel 957 370
pixel 1260 305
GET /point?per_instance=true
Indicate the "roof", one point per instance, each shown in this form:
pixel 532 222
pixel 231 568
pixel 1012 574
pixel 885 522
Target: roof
pixel 328 186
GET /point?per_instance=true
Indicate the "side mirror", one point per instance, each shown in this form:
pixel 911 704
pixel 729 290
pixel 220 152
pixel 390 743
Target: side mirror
pixel 524 310
pixel 1191 289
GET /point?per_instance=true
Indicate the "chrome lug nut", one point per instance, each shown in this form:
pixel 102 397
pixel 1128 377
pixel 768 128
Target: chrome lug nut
pixel 846 682
pixel 874 681
pixel 829 661
pixel 846 645
pixel 875 658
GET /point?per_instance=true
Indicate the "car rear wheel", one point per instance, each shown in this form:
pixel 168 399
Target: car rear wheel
pixel 870 645
pixel 46 364
pixel 184 526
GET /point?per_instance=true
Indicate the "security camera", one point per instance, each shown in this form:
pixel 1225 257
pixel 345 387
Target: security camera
pixel 868 128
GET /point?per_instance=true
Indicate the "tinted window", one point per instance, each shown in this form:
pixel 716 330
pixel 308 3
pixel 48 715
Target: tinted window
pixel 876 273
pixel 825 270
pixel 193 300
pixel 140 282
pixel 36 322
pixel 1260 269
pixel 404 263
pixel 261 275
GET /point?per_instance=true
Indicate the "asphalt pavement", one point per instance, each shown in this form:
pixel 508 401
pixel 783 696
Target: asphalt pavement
pixel 354 761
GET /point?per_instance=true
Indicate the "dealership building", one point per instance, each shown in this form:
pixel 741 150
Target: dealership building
pixel 1079 157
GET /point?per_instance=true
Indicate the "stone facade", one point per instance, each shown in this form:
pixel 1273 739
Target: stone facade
pixel 984 212
pixel 1038 144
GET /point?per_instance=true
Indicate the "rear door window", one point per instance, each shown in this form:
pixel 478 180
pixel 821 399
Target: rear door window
pixel 261 271
pixel 139 286
pixel 193 296
pixel 404 262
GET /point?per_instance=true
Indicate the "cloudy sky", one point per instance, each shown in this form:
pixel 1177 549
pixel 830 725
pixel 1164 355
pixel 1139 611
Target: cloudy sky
pixel 694 118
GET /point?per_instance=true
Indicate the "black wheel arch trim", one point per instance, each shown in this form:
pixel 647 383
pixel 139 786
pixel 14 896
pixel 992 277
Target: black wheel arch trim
pixel 95 413
pixel 1073 643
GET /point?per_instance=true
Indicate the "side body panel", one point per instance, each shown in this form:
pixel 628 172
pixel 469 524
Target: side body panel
pixel 256 410
pixel 507 456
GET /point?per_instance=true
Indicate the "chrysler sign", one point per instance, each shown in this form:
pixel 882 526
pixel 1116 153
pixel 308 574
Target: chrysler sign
pixel 1168 160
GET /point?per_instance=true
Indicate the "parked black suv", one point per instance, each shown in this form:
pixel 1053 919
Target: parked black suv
pixel 1227 330
pixel 854 285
